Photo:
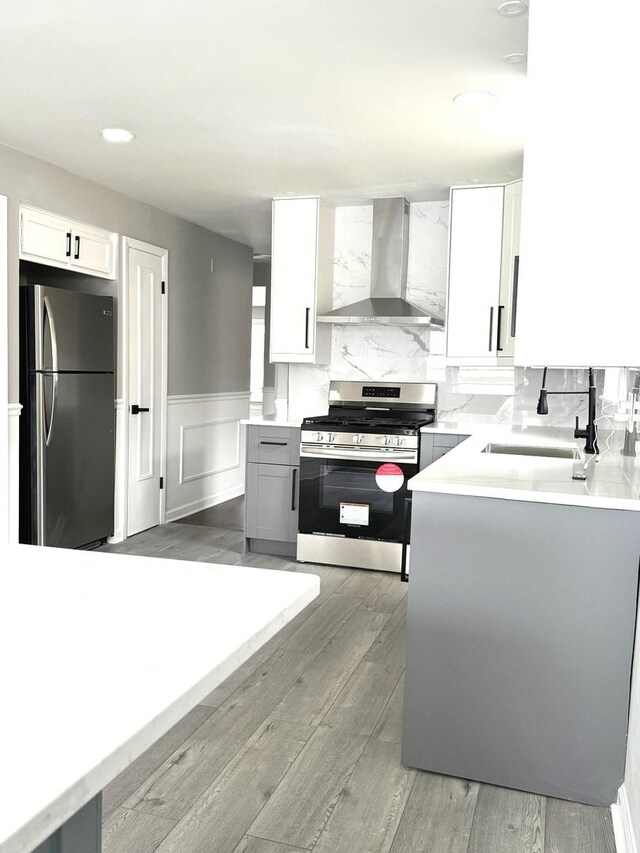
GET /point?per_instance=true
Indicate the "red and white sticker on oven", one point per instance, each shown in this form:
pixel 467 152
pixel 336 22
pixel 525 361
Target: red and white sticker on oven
pixel 389 477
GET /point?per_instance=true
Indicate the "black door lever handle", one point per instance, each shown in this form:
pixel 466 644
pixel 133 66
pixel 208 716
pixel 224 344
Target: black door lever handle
pixel 136 410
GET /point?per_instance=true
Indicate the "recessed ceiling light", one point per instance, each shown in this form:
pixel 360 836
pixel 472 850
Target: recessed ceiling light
pixel 512 8
pixel 473 99
pixel 116 134
pixel 515 58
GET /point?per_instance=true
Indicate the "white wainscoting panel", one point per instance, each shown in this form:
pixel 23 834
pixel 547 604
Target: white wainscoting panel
pixel 205 451
pixel 14 470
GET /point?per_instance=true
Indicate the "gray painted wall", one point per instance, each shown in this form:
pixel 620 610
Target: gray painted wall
pixel 209 312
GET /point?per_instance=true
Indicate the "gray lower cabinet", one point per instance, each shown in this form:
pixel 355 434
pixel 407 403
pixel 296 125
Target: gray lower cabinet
pixel 433 445
pixel 520 635
pixel 271 489
pixel 82 833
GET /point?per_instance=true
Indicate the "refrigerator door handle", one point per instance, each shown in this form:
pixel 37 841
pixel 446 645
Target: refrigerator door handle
pixel 49 318
pixel 54 397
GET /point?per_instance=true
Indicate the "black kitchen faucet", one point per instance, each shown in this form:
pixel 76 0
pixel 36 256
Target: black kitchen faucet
pixel 591 431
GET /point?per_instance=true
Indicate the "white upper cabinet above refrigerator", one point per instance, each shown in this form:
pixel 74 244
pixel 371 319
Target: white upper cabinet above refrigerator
pixel 301 280
pixel 483 268
pixel 53 240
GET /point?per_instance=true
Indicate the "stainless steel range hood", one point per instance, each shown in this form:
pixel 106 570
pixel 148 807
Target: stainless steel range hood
pixel 389 254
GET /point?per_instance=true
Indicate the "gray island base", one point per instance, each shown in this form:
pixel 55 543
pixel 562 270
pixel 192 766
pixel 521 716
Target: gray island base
pixel 521 624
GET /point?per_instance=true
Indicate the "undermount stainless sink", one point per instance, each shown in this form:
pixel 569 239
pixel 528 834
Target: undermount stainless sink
pixel 534 450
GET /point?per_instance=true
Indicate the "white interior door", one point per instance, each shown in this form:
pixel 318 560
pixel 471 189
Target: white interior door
pixel 146 272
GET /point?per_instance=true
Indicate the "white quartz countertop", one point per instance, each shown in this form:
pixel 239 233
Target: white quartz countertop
pixel 613 480
pixel 101 654
pixel 272 421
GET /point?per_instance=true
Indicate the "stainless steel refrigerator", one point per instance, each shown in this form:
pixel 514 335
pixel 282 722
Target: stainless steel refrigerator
pixel 67 440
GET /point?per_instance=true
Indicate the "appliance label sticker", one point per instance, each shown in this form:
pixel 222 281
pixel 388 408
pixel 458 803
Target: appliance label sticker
pixel 354 513
pixel 389 477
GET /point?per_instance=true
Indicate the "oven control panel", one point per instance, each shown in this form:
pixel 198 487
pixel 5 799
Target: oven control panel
pixel 358 440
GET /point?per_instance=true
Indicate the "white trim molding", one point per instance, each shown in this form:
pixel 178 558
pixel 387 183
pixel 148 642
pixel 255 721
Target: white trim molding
pixel 14 411
pixel 121 495
pixel 205 452
pixel 623 829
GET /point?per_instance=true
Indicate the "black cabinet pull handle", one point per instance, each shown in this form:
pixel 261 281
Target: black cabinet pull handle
pixel 276 443
pixel 306 328
pixel 293 489
pixel 490 328
pixel 68 251
pixel 404 574
pixel 514 297
pixel 499 348
pixel 136 410
pixel 77 254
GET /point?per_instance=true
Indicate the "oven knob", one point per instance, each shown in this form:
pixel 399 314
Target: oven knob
pixel 386 439
pixel 398 440
pixel 330 436
pixel 357 438
pixel 319 436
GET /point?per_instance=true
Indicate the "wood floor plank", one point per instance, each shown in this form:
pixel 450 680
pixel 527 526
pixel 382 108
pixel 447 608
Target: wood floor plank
pixel 250 844
pixel 390 647
pixel 361 583
pixel 302 803
pixel 438 815
pixel 319 628
pixel 221 816
pixel 363 699
pixel 369 809
pixel 139 771
pixel 178 782
pixel 316 690
pixel 507 821
pixel 387 595
pixel 126 831
pixel 576 828
pixel 390 726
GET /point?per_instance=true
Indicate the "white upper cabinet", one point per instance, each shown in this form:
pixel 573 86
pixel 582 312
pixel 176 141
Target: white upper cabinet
pixel 483 268
pixel 56 241
pixel 301 280
pixel 579 289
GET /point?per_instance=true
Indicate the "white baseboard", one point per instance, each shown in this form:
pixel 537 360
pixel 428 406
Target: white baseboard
pixel 204 503
pixel 623 824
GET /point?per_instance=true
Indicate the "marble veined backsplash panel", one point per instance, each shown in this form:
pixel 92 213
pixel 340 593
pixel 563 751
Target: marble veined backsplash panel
pixel 380 353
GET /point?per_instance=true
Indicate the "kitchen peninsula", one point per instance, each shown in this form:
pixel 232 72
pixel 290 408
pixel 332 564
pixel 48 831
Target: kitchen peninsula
pixel 522 610
pixel 119 648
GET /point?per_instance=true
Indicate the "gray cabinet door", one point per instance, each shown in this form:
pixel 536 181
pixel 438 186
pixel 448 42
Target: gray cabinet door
pixel 271 502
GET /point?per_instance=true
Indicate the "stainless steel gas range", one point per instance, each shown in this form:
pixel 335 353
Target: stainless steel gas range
pixel 355 462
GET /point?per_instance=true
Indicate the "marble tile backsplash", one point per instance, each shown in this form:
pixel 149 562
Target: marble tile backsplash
pixel 414 354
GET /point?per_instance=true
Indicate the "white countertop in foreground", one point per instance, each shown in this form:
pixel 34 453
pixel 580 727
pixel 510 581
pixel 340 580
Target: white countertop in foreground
pixel 102 654
pixel 613 482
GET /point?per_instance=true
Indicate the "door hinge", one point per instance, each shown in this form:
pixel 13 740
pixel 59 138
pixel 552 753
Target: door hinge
pixel 162 482
pixel 164 286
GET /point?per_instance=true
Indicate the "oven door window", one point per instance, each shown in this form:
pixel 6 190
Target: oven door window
pixel 352 498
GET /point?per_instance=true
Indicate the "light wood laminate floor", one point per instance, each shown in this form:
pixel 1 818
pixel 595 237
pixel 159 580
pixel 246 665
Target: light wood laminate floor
pixel 300 748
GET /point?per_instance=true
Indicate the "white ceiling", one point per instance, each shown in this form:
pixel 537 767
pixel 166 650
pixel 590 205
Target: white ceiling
pixel 236 101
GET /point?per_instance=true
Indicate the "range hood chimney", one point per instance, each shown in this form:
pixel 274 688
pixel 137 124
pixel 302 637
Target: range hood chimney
pixel 387 303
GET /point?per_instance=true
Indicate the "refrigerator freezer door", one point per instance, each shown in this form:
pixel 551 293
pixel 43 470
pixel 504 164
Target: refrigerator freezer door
pixel 76 458
pixel 73 331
